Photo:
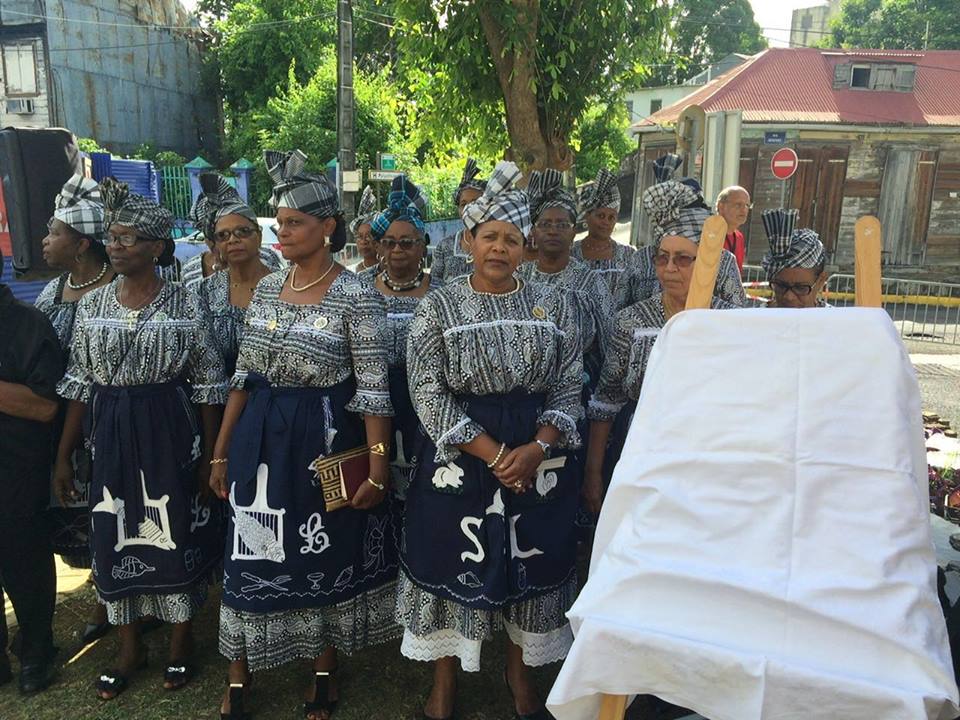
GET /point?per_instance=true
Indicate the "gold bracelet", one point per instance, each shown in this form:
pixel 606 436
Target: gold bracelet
pixel 492 465
pixel 379 449
pixel 218 461
pixel 377 485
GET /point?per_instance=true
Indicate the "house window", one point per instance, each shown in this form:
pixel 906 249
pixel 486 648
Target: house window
pixel 20 70
pixel 630 110
pixel 655 105
pixel 860 77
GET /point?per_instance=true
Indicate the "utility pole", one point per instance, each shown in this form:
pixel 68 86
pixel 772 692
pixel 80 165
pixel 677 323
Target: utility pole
pixel 346 154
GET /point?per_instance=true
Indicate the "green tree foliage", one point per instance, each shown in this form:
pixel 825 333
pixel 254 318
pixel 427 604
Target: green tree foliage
pixel 702 32
pixel 520 69
pixel 896 24
pixel 601 139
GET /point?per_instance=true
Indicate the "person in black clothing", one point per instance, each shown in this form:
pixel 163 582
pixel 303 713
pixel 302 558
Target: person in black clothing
pixel 31 364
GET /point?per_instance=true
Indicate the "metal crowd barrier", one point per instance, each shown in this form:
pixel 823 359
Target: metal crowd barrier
pixel 921 310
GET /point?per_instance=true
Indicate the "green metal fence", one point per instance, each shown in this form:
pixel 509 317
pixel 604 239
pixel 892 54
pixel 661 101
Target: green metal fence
pixel 175 194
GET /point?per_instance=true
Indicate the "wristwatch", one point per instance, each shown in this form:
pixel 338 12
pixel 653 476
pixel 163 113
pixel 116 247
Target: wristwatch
pixel 545 446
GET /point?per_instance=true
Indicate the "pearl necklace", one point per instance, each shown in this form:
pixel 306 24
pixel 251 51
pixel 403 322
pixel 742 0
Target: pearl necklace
pixel 293 278
pixel 81 286
pixel 401 286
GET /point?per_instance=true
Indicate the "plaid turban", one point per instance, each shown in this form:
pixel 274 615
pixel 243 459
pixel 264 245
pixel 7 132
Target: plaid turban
pixel 79 205
pixel 545 190
pixel 500 201
pixel 142 214
pixel 469 180
pixel 665 167
pixel 217 200
pixel 668 205
pixel 299 190
pixel 790 248
pixel 405 203
pixel 601 193
pixel 367 210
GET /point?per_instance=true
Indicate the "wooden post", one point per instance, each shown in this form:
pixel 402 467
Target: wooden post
pixel 704 278
pixel 613 707
pixel 868 288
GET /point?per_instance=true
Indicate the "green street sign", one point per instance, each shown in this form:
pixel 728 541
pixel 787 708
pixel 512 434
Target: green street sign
pixel 387 161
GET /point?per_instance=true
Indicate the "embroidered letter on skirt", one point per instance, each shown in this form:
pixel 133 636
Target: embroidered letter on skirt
pixel 297 578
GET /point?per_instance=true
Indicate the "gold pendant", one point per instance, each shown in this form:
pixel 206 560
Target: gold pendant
pixel 539 313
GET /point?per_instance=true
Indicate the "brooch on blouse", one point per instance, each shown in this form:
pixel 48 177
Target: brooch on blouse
pixel 539 313
pixel 321 322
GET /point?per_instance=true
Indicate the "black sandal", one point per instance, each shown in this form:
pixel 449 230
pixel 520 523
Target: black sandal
pixel 235 698
pixel 321 689
pixel 541 714
pixel 93 632
pixel 179 676
pixel 113 681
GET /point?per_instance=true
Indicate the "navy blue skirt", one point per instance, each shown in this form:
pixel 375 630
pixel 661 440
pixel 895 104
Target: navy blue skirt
pixel 284 550
pixel 406 427
pixel 151 533
pixel 471 540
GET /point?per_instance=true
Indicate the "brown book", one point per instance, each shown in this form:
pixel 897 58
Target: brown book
pixel 341 475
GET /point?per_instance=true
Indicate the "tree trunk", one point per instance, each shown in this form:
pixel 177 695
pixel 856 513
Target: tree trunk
pixel 530 146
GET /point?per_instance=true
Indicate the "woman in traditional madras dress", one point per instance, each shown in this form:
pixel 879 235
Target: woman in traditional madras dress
pixel 75 245
pixel 496 371
pixel 599 204
pixel 452 257
pixel 403 282
pixel 367 246
pixel 301 581
pixel 146 383
pixel 795 263
pixel 678 215
pixel 236 236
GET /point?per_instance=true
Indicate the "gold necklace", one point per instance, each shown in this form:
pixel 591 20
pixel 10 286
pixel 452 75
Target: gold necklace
pixel 668 312
pixel 293 278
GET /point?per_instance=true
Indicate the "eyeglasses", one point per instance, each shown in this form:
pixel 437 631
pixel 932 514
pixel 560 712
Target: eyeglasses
pixel 240 233
pixel 404 243
pixel 681 261
pixel 549 225
pixel 123 240
pixel 739 205
pixel 799 289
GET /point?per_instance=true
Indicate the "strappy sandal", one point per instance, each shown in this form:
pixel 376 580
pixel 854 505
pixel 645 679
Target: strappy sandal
pixel 321 702
pixel 179 676
pixel 235 697
pixel 113 681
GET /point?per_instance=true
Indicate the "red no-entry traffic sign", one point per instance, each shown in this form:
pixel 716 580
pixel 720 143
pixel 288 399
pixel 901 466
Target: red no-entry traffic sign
pixel 784 163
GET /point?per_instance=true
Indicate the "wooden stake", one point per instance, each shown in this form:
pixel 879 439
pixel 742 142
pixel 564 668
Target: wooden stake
pixel 613 707
pixel 704 278
pixel 868 288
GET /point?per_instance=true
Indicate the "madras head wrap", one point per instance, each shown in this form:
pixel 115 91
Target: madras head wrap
pixel 666 166
pixel 601 193
pixel 405 203
pixel 667 204
pixel 218 199
pixel 500 201
pixel 297 189
pixel 545 190
pixel 469 180
pixel 79 205
pixel 123 207
pixel 790 248
pixel 367 210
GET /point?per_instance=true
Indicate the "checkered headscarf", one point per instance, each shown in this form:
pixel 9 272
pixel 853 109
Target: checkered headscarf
pixel 668 205
pixel 79 205
pixel 601 193
pixel 545 190
pixel 469 180
pixel 789 248
pixel 367 210
pixel 405 203
pixel 218 199
pixel 299 190
pixel 123 207
pixel 666 166
pixel 500 201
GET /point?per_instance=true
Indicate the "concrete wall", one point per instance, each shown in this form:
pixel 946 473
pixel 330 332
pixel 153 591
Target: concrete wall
pixel 809 26
pixel 668 95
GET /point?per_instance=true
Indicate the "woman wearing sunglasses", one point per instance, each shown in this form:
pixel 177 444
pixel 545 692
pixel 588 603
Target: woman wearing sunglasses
pixel 796 263
pixel 678 213
pixel 137 344
pixel 401 235
pixel 236 236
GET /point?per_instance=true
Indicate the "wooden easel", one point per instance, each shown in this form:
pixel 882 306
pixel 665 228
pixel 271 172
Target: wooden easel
pixel 868 289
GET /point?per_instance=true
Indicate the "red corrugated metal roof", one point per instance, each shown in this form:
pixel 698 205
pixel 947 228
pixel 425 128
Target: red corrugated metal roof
pixel 795 85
